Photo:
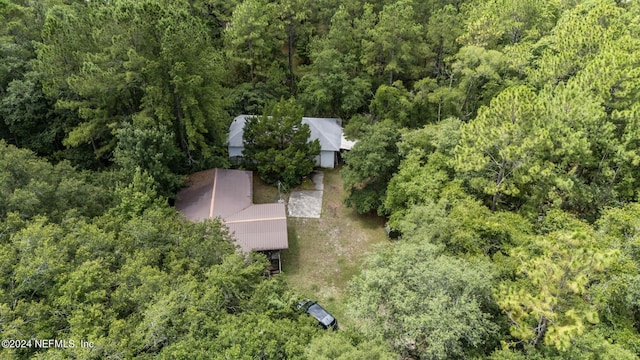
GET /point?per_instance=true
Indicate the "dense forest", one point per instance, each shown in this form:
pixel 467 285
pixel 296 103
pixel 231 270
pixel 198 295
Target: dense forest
pixel 500 139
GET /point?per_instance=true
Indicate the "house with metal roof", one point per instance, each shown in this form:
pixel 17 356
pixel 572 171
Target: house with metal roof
pixel 328 131
pixel 227 194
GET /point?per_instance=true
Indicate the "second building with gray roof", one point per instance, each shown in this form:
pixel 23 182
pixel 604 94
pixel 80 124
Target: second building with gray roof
pixel 328 131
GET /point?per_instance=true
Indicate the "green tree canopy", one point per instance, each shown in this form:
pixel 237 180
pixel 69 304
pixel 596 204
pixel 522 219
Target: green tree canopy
pixel 369 167
pixel 277 144
pixel 425 304
pixel 150 63
pixel 548 302
pixel 138 280
pixel 153 151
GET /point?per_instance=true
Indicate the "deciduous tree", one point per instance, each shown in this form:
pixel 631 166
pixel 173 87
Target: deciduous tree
pixel 369 167
pixel 425 304
pixel 152 150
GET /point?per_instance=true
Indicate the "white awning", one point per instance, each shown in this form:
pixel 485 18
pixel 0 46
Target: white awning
pixel 346 144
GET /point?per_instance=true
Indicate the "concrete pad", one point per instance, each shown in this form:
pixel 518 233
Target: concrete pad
pixel 317 177
pixel 306 204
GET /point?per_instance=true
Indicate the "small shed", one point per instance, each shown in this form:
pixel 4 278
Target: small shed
pixel 228 194
pixel 328 131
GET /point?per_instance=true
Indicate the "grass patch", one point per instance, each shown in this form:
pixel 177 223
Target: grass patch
pixel 307 184
pixel 325 254
pixel 263 193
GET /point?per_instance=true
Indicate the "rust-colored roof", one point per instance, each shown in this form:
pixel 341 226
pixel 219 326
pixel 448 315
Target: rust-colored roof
pixel 228 194
pixel 233 192
pixel 258 211
pixel 194 201
pixel 260 234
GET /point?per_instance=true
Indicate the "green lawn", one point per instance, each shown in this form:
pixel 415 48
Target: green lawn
pixel 262 192
pixel 324 254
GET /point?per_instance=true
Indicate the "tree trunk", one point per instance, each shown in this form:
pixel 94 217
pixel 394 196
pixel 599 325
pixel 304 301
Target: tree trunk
pixel 540 330
pixel 499 180
pixel 393 55
pixel 439 53
pixel 464 103
pixel 494 201
pixel 177 109
pixel 95 148
pixel 290 39
pixel 251 70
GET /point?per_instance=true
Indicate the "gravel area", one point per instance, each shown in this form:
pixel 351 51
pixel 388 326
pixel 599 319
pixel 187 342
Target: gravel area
pixel 306 204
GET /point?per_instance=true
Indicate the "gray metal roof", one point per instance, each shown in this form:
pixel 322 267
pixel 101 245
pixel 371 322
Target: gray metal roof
pixel 228 194
pixel 195 200
pixel 327 130
pixel 236 130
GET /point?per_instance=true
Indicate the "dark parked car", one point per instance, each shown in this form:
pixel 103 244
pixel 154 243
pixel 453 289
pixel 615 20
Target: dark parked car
pixel 324 318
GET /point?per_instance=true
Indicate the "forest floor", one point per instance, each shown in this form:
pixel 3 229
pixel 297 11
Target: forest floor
pixel 324 254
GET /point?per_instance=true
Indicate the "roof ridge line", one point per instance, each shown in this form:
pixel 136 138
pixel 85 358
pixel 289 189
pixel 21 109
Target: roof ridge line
pixel 244 209
pixel 252 220
pixel 213 192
